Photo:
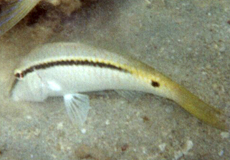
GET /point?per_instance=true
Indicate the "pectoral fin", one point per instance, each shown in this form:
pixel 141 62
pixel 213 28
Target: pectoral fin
pixel 77 107
pixel 12 13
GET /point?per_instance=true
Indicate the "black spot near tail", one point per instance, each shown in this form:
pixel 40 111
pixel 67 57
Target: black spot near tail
pixel 155 84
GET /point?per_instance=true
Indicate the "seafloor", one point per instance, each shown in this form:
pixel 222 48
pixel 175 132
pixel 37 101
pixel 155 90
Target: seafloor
pixel 186 40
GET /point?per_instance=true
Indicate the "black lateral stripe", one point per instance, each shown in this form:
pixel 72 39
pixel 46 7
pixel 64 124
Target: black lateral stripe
pixel 68 63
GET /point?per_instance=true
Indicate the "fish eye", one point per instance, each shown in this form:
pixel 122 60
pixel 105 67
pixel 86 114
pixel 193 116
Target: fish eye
pixel 18 75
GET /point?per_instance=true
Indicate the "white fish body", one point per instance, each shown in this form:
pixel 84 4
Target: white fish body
pixel 97 70
pixel 70 69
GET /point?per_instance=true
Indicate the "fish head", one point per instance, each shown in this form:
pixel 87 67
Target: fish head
pixel 29 88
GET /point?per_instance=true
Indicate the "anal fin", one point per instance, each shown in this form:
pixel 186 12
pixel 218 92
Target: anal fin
pixel 130 95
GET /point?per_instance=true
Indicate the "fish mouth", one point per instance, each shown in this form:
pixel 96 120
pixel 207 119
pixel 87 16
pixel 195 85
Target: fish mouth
pixel 12 89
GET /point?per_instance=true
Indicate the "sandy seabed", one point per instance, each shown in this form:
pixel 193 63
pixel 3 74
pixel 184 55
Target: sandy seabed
pixel 186 40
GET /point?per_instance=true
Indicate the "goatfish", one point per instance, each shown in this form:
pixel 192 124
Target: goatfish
pixel 70 70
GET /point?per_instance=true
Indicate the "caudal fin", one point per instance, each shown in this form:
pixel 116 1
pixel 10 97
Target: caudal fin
pixel 12 13
pixel 207 113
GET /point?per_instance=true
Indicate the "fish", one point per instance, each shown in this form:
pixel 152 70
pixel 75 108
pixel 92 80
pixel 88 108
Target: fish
pixel 13 12
pixel 73 69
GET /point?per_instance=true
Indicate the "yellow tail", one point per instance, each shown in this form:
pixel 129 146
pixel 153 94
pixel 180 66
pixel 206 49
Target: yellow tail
pixel 213 116
pixel 14 12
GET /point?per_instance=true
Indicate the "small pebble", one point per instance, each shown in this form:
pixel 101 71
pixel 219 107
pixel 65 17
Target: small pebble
pixel 169 109
pixel 107 122
pixel 162 147
pixel 60 126
pixel 224 134
pixel 221 153
pixel 83 130
pixel 28 117
pixel 222 48
pixel 188 146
